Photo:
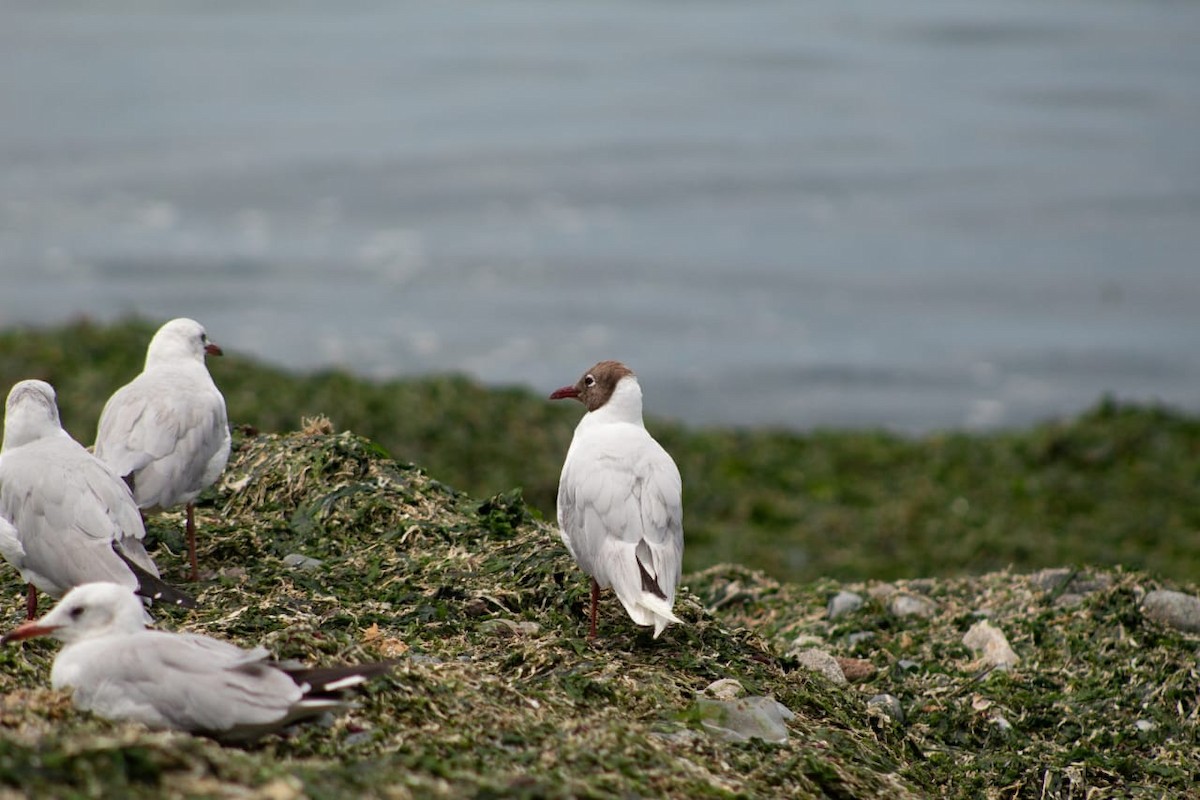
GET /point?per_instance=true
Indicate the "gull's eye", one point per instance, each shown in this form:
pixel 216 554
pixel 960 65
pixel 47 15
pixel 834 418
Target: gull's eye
pixel 589 381
pixel 76 612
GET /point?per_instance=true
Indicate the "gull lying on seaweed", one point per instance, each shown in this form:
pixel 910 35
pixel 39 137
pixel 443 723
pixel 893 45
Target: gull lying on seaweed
pixel 120 670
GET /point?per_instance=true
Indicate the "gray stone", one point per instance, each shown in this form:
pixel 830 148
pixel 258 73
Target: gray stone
pixel 725 689
pixel 820 661
pixel 909 605
pixel 301 563
pixel 1049 579
pixel 1176 609
pixel 1071 581
pixel 844 603
pixel 745 718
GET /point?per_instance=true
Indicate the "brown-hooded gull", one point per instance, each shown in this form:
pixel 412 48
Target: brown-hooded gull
pixel 67 518
pixel 620 506
pixel 118 669
pixel 166 432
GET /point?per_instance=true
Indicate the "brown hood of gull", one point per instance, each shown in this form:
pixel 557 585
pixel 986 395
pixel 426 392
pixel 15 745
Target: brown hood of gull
pixel 596 386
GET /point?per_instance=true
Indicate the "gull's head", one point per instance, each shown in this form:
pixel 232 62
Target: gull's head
pixel 597 385
pixel 87 611
pixel 180 339
pixel 30 413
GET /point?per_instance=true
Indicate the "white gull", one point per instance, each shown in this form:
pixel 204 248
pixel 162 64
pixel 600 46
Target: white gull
pixel 118 669
pixel 67 519
pixel 620 506
pixel 166 431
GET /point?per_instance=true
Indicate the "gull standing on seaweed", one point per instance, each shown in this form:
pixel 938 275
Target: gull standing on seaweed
pixel 184 681
pixel 620 505
pixel 166 432
pixel 65 517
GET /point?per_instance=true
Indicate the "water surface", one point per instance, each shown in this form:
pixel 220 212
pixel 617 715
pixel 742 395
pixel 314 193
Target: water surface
pixel 917 215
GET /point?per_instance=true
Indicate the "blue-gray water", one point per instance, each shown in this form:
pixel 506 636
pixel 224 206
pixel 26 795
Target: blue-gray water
pixel 919 214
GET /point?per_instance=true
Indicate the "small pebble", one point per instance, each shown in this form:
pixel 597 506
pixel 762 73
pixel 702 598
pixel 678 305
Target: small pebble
pixel 301 562
pixel 844 603
pixel 989 641
pixel 725 689
pixel 908 605
pixel 856 670
pixel 1176 609
pixel 822 662
pixel 1050 579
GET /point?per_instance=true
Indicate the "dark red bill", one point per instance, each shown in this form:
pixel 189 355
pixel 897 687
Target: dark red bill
pixel 566 391
pixel 29 630
pixel 213 350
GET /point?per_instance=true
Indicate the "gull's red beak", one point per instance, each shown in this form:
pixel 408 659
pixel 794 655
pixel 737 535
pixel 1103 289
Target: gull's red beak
pixel 566 391
pixel 213 350
pixel 29 630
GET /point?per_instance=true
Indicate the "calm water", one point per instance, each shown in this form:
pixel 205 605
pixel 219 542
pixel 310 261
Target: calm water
pixel 919 214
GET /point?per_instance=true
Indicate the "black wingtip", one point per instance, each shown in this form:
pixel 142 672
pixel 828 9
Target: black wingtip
pixel 333 681
pixel 155 588
pixel 649 582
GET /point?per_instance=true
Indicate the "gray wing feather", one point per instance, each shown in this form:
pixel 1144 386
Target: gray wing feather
pixel 170 430
pixel 68 509
pixel 623 488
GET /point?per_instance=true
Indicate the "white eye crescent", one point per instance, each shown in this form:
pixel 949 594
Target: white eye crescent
pixel 589 381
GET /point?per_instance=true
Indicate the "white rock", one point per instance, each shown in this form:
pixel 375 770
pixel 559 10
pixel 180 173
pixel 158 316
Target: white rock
pixel 990 643
pixel 844 603
pixel 725 689
pixel 909 605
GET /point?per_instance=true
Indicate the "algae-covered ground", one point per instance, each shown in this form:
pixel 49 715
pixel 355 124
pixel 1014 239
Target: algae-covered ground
pixel 496 690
